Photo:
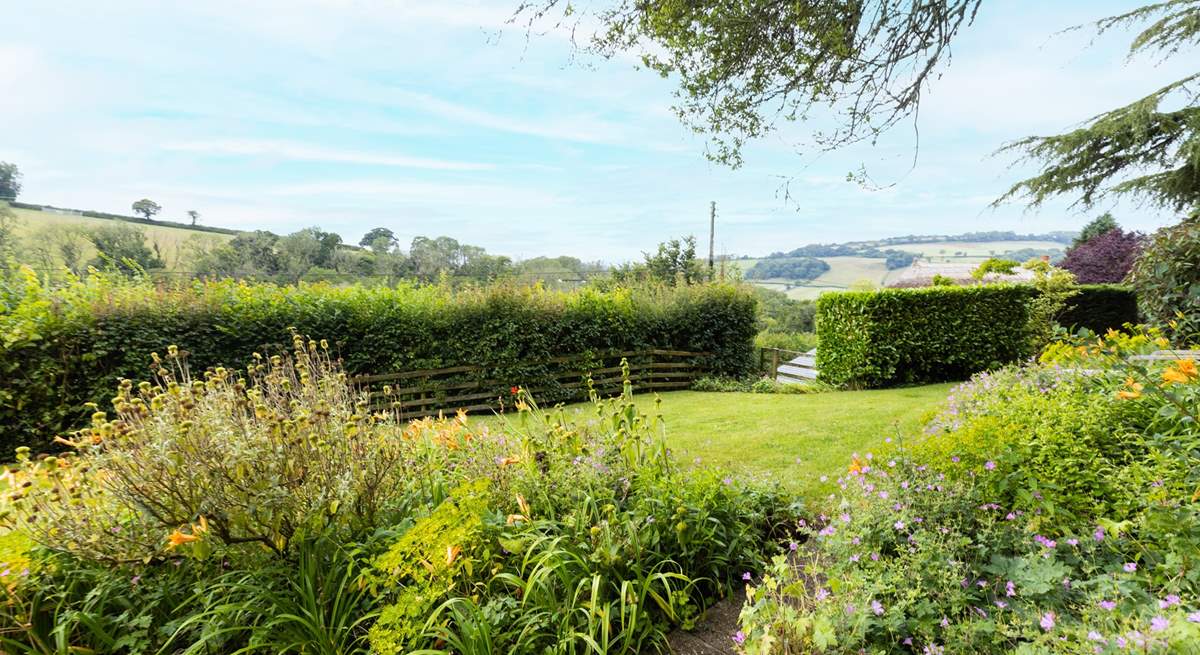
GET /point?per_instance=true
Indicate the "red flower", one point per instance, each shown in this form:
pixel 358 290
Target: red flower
pixel 514 390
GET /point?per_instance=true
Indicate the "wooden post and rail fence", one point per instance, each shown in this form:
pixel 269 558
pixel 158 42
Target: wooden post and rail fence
pixel 484 387
pixel 788 366
pixel 488 387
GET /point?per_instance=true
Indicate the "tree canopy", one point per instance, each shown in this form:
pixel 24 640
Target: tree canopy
pixel 377 238
pixel 1099 225
pixel 742 67
pixel 146 207
pixel 10 181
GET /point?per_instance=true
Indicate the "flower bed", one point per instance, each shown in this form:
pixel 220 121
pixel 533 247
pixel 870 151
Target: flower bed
pixel 264 509
pixel 1048 510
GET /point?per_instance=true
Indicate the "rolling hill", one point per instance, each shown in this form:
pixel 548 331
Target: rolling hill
pixel 848 270
pixel 40 230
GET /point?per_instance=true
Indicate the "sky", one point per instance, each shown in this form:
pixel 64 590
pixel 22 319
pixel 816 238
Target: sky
pixel 442 118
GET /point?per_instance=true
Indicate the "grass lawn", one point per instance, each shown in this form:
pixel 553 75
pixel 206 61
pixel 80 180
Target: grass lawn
pixel 794 438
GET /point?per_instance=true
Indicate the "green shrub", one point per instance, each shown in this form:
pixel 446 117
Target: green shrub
pixel 1052 510
pixel 897 336
pixel 1100 308
pixel 797 341
pixel 994 265
pixel 1051 430
pixel 285 451
pixel 62 348
pixel 1166 277
pixel 779 313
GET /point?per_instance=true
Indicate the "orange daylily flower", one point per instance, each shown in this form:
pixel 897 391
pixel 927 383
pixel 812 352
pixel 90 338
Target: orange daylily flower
pixel 1174 375
pixel 1133 390
pixel 856 465
pixel 452 554
pixel 178 538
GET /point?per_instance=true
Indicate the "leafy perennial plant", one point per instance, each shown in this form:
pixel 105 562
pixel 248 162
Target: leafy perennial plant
pixel 1051 508
pixel 276 509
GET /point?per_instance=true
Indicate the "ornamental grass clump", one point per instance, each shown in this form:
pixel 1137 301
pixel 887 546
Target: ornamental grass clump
pixel 237 460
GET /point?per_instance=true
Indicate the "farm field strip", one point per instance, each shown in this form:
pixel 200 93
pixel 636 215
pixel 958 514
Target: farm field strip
pixel 32 225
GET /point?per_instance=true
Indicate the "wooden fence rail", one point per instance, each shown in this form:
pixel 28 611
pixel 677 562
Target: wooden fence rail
pixel 480 387
pixel 788 366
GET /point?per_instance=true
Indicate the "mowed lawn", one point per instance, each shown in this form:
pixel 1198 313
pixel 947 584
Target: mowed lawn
pixel 793 438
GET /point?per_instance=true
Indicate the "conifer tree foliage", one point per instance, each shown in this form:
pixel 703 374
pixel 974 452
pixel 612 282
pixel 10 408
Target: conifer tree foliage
pixel 1149 148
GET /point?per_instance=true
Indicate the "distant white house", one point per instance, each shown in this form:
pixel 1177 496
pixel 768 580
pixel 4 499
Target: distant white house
pixel 921 274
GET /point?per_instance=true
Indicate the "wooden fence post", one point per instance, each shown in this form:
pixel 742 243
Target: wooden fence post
pixel 774 362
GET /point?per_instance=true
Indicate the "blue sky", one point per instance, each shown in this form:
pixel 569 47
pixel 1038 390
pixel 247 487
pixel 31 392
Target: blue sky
pixel 436 118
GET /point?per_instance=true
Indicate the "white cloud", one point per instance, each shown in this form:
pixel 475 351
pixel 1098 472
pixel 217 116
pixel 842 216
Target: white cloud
pixel 305 152
pixel 586 129
pixel 433 194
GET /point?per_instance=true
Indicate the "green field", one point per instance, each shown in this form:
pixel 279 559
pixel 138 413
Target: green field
pixel 845 271
pixel 793 438
pixel 39 232
pixel 968 250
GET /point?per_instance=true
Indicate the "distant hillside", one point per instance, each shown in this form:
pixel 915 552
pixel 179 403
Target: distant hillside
pixel 43 232
pixel 877 247
pixel 872 263
pixel 87 213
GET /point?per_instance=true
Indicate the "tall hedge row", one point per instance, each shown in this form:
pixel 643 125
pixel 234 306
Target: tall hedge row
pixel 63 348
pixel 1099 307
pixel 897 336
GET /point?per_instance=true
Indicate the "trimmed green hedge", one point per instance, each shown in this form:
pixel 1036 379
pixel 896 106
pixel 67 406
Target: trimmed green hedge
pixel 1099 307
pixel 898 336
pixel 66 347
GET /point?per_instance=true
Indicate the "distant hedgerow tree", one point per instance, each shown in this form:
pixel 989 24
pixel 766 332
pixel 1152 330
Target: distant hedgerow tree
pixel 1100 225
pixel 10 181
pixel 194 215
pixel 372 239
pixel 146 207
pixel 1104 259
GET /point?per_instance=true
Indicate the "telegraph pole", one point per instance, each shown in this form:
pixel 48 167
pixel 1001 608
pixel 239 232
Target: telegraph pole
pixel 712 233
